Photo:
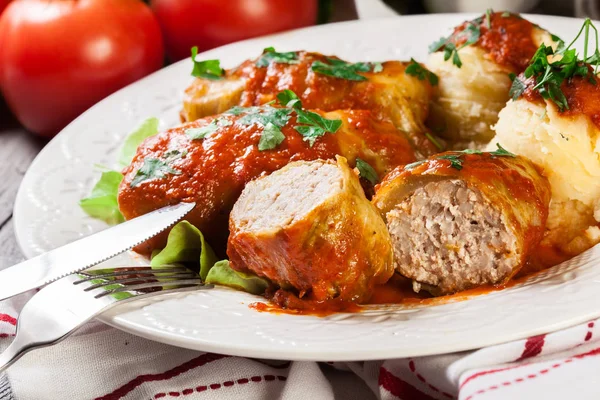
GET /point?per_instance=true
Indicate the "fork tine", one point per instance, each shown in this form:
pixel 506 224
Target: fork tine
pixel 141 279
pixel 164 286
pixel 108 273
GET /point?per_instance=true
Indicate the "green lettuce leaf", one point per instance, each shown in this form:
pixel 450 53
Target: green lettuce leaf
pixel 148 128
pixel 186 244
pixel 222 274
pixel 102 202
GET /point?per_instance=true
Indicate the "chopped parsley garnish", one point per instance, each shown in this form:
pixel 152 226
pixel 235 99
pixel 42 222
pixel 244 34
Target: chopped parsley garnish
pixel 471 33
pixel 517 88
pixel 456 160
pixel 549 76
pixel 488 18
pixel 313 125
pixel 270 55
pixel 153 168
pixel 366 171
pixel 344 70
pixel 416 69
pixel 270 138
pixel 502 152
pixel 471 151
pixel 203 131
pixel 505 14
pixel 310 124
pixel 270 118
pixel 434 140
pixel 208 69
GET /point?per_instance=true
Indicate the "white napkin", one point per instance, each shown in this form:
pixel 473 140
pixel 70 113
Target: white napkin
pixel 99 362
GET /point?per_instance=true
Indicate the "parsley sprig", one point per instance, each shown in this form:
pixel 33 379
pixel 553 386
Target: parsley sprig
pixel 270 118
pixel 313 125
pixel 416 69
pixel 203 131
pixel 157 168
pixel 456 160
pixel 549 76
pixel 344 70
pixel 366 171
pixel 208 69
pixel 271 56
pixel 471 32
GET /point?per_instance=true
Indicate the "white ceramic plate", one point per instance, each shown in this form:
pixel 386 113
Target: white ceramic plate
pixel 219 320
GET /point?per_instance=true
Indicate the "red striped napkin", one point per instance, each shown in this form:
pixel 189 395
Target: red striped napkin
pixel 100 362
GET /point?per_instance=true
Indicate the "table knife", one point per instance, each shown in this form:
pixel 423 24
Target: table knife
pixel 89 251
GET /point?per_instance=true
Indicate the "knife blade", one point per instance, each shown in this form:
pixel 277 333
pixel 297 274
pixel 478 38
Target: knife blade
pixel 89 251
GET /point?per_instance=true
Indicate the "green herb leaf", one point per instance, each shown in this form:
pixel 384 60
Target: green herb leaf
pixel 203 131
pixel 237 110
pixel 271 137
pixel 148 128
pixel 208 69
pixel 152 168
pixel 471 151
pixel 222 274
pixel 366 171
pixel 502 152
pixel 289 99
pixel 270 118
pixel 505 14
pixel 270 55
pixel 315 126
pixel 438 45
pixel 102 202
pixel 455 161
pixel 310 133
pixel 343 70
pixel 471 33
pixel 488 19
pixel 415 164
pixel 266 114
pixel 517 88
pixel 422 73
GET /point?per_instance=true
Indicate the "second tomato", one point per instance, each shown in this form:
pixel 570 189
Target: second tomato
pixel 212 23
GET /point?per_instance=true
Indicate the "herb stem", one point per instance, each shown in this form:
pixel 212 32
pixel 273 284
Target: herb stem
pixel 577 36
pixel 586 36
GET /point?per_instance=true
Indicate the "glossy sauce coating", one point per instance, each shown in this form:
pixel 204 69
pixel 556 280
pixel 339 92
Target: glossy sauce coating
pixel 583 96
pixel 390 94
pixel 508 40
pixel 214 170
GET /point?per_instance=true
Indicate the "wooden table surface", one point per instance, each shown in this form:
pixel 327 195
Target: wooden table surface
pixel 18 148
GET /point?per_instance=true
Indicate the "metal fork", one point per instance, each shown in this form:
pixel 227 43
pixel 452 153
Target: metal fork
pixel 61 307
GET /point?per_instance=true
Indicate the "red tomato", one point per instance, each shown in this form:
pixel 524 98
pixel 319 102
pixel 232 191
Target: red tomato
pixel 3 4
pixel 58 58
pixel 212 23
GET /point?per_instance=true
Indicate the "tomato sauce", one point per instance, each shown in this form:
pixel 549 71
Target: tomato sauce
pixel 508 40
pixel 582 94
pixel 398 290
